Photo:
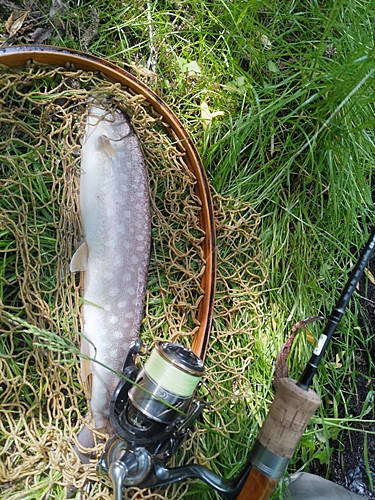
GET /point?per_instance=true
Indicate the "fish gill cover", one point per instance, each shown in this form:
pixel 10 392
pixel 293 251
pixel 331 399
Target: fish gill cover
pixel 42 399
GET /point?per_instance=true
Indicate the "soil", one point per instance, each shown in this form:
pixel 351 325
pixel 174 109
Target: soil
pixel 347 466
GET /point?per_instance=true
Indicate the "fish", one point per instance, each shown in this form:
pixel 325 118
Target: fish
pixel 114 256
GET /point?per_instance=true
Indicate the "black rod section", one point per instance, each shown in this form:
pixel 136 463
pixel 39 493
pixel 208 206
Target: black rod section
pixel 337 312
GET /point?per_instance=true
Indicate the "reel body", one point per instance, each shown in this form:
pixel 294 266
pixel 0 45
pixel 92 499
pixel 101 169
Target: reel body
pixel 151 412
pixel 144 411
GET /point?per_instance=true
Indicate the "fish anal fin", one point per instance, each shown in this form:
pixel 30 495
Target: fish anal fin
pixel 79 260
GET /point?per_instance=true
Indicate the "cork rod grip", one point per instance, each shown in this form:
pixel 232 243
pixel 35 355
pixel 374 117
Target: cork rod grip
pixel 280 434
pixel 287 418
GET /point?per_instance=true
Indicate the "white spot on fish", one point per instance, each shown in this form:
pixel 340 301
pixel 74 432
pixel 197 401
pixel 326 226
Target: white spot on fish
pixel 114 291
pixel 107 307
pixel 122 176
pixel 108 275
pixel 113 320
pixel 118 259
pixel 110 211
pixel 131 290
pixel 134 259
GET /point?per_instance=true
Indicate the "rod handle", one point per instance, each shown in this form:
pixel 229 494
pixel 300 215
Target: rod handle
pixel 257 487
pixel 278 438
pixel 287 418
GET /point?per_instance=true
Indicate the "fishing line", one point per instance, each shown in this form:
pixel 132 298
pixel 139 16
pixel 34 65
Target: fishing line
pixel 174 377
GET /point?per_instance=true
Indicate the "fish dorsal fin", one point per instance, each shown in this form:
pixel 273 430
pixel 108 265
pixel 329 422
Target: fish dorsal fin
pixel 104 143
pixel 86 368
pixel 79 259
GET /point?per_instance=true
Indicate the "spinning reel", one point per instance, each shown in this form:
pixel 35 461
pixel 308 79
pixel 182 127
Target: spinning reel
pixel 151 412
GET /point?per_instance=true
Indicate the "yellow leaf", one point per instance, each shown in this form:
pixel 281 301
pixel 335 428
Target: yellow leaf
pixel 337 363
pixel 207 116
pixel 15 22
pixel 266 42
pixel 310 338
pixel 370 276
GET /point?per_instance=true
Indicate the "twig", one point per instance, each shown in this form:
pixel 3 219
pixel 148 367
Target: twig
pixel 151 62
pixel 281 365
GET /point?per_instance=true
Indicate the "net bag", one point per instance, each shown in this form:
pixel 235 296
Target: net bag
pixel 43 400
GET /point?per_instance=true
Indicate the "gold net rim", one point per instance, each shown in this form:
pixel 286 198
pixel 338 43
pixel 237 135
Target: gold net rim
pixel 59 56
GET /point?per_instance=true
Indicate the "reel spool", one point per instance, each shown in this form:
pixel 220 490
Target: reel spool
pixel 165 385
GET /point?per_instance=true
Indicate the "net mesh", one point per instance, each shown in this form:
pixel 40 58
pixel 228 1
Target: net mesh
pixel 43 401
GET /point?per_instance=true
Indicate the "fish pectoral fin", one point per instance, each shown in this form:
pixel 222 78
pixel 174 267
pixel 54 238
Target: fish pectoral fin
pixel 79 260
pixel 86 364
pixel 104 143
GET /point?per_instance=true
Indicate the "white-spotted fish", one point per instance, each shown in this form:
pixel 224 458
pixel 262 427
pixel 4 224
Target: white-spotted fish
pixel 115 210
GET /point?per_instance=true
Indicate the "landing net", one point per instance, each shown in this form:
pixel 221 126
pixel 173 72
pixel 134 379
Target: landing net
pixel 43 402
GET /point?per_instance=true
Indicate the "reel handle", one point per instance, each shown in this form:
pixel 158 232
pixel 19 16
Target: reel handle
pixel 278 438
pixel 117 472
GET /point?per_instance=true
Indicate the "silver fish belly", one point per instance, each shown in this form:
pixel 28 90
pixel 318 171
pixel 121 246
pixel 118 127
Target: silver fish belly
pixel 115 210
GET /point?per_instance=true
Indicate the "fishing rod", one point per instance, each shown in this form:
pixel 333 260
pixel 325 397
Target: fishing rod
pixel 295 403
pixel 152 417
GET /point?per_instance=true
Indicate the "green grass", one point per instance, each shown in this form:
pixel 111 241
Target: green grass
pixel 295 81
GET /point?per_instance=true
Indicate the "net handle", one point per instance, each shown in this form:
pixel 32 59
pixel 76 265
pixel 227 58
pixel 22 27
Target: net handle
pixel 58 56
